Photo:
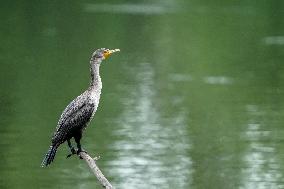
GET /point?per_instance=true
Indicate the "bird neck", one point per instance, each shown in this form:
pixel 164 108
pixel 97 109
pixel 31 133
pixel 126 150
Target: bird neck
pixel 95 73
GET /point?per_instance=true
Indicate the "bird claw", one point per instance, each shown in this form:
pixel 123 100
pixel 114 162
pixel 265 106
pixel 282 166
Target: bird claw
pixel 81 150
pixel 78 151
pixel 73 152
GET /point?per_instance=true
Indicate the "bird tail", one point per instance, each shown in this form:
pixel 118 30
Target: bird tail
pixel 49 157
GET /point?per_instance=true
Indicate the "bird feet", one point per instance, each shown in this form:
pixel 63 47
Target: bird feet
pixel 73 151
pixel 81 150
pixel 76 152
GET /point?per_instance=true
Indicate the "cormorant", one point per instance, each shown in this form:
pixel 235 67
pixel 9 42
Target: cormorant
pixel 80 111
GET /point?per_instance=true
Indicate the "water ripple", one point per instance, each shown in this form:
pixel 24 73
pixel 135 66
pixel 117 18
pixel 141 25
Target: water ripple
pixel 129 9
pixel 263 169
pixel 150 147
pixel 218 80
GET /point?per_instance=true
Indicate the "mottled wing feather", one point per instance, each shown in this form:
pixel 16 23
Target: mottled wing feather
pixel 72 108
pixel 75 116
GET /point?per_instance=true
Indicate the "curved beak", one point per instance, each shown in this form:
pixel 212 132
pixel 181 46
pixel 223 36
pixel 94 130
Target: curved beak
pixel 108 52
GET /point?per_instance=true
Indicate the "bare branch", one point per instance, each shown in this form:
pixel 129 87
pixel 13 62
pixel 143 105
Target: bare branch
pixel 93 166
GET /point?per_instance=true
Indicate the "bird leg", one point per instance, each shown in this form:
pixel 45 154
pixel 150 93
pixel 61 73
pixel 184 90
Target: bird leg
pixel 72 149
pixel 77 140
pixel 80 149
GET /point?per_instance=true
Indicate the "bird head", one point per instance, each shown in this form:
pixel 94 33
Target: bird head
pixel 103 53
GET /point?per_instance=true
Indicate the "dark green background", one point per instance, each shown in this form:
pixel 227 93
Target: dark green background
pixel 194 100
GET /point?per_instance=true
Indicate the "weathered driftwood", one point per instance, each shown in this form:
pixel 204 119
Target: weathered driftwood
pixel 93 166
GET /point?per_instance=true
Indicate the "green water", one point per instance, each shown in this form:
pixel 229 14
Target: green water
pixel 194 100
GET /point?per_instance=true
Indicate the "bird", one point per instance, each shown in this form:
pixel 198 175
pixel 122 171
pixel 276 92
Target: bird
pixel 78 114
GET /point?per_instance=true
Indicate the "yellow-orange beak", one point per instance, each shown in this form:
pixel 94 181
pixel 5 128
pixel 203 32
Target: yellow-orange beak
pixel 108 52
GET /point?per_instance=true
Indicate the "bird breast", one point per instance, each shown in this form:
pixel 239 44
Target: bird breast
pixel 95 97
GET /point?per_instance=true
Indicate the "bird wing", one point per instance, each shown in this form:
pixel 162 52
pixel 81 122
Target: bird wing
pixel 75 116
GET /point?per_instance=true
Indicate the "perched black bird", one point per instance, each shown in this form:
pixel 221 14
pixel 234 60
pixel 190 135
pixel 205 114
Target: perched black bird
pixel 80 111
